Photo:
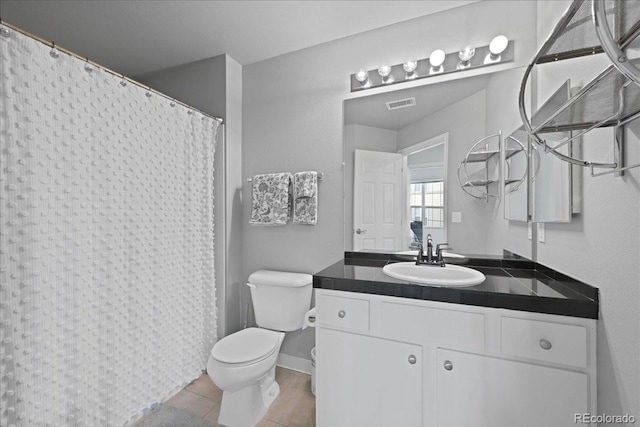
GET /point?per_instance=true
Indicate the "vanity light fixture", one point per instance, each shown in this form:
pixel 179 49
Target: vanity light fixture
pixel 436 59
pixel 409 67
pixel 501 50
pixel 385 73
pixel 465 56
pixel 363 77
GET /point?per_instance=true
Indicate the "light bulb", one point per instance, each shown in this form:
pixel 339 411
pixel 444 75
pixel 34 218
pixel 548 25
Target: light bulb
pixel 384 71
pixel 410 65
pixel 498 45
pixel 362 76
pixel 436 59
pixel 466 54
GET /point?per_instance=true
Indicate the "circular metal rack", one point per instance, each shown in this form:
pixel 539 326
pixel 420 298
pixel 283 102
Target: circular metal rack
pixel 611 99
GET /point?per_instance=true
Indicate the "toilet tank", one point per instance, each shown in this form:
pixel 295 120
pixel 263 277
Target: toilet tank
pixel 280 299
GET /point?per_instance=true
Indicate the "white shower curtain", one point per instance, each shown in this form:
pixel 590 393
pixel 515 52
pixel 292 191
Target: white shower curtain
pixel 107 293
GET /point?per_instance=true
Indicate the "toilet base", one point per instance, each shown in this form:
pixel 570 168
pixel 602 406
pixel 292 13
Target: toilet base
pixel 247 406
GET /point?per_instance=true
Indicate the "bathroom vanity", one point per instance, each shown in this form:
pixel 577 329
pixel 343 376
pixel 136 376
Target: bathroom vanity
pixel 518 349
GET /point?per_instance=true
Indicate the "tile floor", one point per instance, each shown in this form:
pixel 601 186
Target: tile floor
pixel 295 407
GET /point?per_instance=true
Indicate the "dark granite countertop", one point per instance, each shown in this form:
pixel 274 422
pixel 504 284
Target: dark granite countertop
pixel 511 282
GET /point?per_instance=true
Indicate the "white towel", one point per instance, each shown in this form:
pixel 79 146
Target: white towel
pixel 271 199
pixel 305 198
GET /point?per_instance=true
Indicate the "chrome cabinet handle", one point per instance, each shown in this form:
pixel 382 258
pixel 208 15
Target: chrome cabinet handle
pixel 412 359
pixel 448 365
pixel 359 231
pixel 341 314
pixel 545 344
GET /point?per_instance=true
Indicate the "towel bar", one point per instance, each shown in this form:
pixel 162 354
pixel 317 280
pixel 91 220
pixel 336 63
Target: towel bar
pixel 319 177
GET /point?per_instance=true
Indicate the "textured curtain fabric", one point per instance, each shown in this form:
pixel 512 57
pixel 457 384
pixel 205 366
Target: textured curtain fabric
pixel 107 286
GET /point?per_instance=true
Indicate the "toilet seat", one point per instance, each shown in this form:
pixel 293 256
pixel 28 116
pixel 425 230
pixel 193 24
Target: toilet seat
pixel 247 346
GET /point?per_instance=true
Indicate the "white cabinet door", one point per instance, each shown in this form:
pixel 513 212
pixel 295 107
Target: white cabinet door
pixel 492 392
pixel 367 382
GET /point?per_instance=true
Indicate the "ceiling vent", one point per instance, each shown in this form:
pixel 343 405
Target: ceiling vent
pixel 401 103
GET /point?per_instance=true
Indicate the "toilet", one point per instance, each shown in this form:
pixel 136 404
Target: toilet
pixel 243 364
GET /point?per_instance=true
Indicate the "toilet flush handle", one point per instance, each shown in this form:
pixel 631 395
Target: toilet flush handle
pixel 251 285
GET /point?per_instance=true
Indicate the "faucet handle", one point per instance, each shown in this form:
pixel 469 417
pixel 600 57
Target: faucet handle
pixel 439 248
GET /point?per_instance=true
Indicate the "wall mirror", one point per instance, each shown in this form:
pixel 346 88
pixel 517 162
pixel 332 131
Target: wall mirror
pixel 401 153
pixel 555 184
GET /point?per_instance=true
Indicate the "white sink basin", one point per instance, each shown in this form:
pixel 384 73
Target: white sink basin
pixel 445 254
pixel 449 275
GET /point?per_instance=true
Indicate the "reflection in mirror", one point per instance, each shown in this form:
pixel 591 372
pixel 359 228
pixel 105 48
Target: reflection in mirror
pixel 555 185
pixel 480 171
pixel 516 194
pixel 460 112
pixel 425 170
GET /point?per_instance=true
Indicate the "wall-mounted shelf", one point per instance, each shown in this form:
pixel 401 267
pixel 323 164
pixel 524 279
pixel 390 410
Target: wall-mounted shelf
pixel 480 152
pixel 485 155
pixel 611 99
pixel 479 183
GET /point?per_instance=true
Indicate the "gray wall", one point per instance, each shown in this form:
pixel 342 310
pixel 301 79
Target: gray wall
pixel 292 121
pixel 215 86
pixel 601 246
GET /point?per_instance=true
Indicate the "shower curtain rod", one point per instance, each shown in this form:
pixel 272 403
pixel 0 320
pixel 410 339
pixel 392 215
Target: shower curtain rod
pixel 220 120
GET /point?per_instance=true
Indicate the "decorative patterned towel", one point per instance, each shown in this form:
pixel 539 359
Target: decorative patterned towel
pixel 271 199
pixel 305 195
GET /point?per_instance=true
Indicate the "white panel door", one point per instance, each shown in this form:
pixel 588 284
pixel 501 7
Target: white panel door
pixel 377 192
pixel 364 381
pixel 482 391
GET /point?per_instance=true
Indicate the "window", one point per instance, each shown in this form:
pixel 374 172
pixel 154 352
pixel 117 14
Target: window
pixel 427 203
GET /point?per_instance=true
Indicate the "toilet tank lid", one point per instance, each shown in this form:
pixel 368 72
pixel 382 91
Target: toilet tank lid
pixel 280 278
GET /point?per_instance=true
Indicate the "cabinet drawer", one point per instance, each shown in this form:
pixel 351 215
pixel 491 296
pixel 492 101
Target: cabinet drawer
pixel 344 313
pixel 441 327
pixel 545 341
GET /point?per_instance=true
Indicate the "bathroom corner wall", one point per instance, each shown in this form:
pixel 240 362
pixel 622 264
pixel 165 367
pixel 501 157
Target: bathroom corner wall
pixel 292 121
pixel 214 86
pixel 601 245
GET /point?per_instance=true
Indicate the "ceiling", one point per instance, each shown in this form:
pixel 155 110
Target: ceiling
pixel 137 37
pixel 372 110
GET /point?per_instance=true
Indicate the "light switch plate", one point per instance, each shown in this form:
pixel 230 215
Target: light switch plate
pixel 456 216
pixel 541 232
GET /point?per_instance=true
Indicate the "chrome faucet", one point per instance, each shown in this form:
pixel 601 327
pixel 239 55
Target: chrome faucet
pixel 421 259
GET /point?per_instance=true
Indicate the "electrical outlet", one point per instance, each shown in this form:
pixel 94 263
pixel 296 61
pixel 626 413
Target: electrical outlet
pixel 541 232
pixel 529 230
pixel 456 216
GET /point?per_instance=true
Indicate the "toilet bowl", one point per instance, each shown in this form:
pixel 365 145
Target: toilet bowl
pixel 243 364
pixel 244 357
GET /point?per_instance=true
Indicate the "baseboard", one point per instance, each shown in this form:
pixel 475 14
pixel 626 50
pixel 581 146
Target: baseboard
pixel 294 363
